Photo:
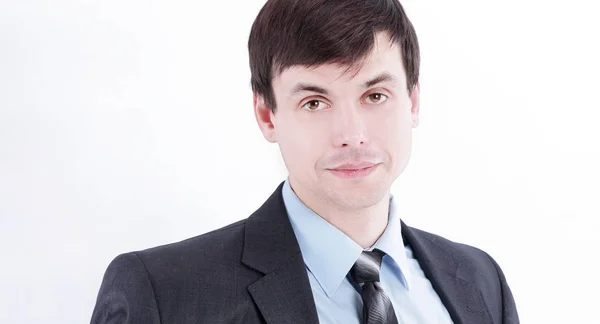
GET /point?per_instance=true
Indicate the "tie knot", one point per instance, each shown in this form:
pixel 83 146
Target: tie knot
pixel 366 268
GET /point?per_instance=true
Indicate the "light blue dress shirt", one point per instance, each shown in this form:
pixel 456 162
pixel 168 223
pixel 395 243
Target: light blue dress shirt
pixel 329 254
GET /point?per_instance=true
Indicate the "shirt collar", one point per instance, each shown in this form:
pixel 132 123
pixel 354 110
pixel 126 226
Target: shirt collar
pixel 392 243
pixel 328 253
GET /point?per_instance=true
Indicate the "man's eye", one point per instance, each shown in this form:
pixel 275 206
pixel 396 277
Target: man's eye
pixel 313 105
pixel 376 98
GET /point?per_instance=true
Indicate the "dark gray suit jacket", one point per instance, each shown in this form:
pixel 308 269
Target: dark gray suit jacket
pixel 252 271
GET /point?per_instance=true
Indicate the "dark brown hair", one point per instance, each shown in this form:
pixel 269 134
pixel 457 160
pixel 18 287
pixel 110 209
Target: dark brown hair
pixel 313 32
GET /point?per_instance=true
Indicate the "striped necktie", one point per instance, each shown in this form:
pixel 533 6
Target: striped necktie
pixel 377 307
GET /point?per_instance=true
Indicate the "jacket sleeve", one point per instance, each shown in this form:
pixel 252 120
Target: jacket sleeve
pixel 126 295
pixel 509 309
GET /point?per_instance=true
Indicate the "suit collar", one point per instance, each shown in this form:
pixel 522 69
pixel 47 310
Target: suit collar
pixel 269 238
pixel 283 294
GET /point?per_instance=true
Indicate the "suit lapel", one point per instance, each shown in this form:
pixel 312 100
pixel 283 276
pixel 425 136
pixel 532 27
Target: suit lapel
pixel 462 299
pixel 283 294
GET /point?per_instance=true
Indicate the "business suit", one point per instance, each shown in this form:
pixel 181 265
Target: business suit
pixel 252 271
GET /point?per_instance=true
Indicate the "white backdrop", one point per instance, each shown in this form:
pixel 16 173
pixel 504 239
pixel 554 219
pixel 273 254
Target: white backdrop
pixel 128 124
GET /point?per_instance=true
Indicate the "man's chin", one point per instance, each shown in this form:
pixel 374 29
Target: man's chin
pixel 359 196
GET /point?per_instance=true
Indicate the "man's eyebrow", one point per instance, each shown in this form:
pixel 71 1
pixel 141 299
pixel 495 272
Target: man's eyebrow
pixel 300 87
pixel 383 77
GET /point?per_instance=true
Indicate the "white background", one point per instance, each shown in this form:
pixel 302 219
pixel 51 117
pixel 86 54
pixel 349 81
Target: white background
pixel 128 124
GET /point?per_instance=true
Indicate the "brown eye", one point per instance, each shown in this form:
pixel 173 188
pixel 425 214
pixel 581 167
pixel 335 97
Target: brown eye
pixel 376 98
pixel 313 105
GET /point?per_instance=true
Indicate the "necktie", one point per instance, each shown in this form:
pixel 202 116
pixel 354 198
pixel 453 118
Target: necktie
pixel 377 307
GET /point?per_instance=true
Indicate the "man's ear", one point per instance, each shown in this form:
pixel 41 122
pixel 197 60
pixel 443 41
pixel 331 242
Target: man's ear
pixel 264 118
pixel 415 102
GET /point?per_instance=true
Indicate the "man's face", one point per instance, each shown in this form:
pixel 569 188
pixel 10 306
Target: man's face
pixel 345 136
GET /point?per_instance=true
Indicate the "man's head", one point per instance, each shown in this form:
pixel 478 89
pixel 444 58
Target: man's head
pixel 335 83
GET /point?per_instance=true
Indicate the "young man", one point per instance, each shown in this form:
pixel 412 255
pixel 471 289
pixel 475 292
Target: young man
pixel 336 86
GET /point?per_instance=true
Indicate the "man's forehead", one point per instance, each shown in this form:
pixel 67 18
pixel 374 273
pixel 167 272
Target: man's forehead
pixel 364 74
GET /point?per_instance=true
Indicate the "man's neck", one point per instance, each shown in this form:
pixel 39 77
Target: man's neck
pixel 364 226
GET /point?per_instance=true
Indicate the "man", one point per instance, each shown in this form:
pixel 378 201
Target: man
pixel 336 86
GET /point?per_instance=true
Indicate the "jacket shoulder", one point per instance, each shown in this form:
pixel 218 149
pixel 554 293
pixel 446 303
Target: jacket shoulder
pixel 154 285
pixel 476 268
pixel 470 258
pixel 216 254
pixel 223 242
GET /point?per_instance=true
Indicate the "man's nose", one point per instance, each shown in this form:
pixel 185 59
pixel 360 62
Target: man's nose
pixel 349 126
